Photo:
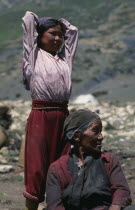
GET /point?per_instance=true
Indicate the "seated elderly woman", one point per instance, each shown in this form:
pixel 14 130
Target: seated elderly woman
pixel 86 178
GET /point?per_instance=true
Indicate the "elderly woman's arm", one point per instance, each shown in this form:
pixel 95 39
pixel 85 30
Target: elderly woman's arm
pixel 115 207
pixel 119 186
pixel 71 40
pixel 53 191
pixel 29 22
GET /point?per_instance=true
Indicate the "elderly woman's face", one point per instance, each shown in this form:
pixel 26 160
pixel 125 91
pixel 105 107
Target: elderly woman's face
pixel 91 140
pixel 52 39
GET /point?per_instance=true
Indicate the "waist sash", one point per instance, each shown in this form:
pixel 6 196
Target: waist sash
pixel 49 105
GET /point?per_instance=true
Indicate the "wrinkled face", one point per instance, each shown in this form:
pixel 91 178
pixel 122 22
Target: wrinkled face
pixel 91 139
pixel 52 39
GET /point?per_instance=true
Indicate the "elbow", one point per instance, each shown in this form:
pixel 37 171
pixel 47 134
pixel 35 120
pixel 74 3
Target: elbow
pixel 122 198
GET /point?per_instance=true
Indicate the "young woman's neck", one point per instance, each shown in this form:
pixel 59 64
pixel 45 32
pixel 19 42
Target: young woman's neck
pixel 52 53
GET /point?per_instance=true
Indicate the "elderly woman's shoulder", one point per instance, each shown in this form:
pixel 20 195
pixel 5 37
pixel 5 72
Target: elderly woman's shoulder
pixel 109 156
pixel 60 162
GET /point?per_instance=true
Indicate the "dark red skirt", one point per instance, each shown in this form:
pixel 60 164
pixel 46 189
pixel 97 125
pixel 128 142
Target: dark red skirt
pixel 44 144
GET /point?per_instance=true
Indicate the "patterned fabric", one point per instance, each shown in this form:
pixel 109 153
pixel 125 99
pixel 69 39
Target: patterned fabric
pixel 78 120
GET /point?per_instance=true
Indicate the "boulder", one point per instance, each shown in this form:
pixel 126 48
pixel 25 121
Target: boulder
pixel 5 117
pixel 3 138
pixel 84 99
pixel 4 151
pixel 2 160
pixel 6 168
pixel 130 109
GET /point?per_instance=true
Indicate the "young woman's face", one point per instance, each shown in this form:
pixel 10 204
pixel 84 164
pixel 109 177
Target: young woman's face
pixel 52 39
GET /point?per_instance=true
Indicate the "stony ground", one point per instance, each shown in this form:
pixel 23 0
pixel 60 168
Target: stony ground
pixel 119 132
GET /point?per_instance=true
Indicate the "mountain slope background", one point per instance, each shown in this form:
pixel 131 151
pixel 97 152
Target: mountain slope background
pixel 105 61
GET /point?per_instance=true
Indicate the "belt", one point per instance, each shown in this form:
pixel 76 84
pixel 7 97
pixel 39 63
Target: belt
pixel 38 104
pixel 49 108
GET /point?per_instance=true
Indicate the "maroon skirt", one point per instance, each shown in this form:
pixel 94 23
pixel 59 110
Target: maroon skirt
pixel 44 144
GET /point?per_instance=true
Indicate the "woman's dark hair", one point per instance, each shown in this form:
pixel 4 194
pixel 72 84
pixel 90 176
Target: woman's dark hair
pixel 44 24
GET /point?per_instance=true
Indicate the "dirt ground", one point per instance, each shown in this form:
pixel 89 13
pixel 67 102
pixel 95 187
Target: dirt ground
pixel 119 139
pixel 11 190
pixel 11 184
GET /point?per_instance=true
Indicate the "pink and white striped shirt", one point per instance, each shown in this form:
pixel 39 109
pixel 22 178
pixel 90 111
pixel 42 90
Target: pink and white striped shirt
pixel 48 77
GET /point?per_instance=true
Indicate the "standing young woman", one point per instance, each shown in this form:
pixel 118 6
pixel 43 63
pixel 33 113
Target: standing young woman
pixel 48 49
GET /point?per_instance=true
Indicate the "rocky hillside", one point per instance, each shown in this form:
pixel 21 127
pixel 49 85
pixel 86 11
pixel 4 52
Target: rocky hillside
pixel 105 51
pixel 118 129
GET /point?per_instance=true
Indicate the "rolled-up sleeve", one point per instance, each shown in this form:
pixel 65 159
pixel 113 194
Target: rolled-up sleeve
pixel 29 22
pixel 119 185
pixel 71 40
pixel 53 191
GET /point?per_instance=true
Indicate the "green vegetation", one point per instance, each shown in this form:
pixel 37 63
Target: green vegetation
pixel 104 26
pixel 84 14
pixel 13 178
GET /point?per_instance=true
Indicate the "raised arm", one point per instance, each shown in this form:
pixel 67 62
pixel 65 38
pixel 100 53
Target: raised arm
pixel 53 191
pixel 29 22
pixel 71 40
pixel 119 185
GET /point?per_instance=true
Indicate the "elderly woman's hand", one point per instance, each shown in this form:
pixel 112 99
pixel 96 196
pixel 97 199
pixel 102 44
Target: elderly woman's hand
pixel 115 207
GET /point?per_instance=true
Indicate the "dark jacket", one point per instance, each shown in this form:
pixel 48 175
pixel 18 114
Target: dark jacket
pixel 59 177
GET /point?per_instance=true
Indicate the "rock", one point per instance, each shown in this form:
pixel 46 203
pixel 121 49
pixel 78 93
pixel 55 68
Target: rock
pixel 2 160
pixel 71 108
pixel 105 134
pixel 106 115
pixel 104 124
pixel 13 153
pixel 4 150
pixel 121 111
pixel 5 117
pixel 107 126
pixel 110 135
pixel 122 140
pixel 6 209
pixel 17 143
pixel 83 99
pixel 129 176
pixel 121 127
pixel 97 111
pixel 15 159
pixel 5 168
pixel 3 138
pixel 115 123
pixel 130 109
pixel 21 156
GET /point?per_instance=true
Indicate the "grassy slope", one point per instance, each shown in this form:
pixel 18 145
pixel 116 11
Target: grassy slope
pixel 84 14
